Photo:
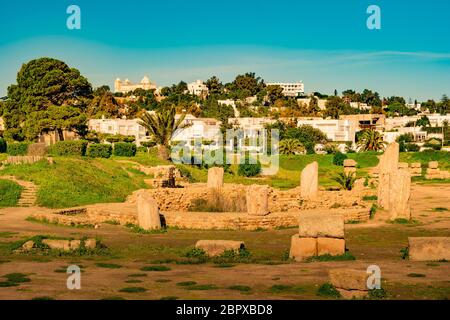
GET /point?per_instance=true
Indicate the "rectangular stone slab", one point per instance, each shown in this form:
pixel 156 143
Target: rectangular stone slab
pixel 321 224
pixel 349 279
pixel 331 246
pixel 302 248
pixel 429 248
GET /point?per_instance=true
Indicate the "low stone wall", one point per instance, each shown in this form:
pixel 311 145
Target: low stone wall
pixel 25 159
pixel 124 213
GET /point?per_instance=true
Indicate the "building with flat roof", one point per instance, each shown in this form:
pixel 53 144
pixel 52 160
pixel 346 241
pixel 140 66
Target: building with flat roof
pixel 198 88
pixel 290 89
pixel 125 127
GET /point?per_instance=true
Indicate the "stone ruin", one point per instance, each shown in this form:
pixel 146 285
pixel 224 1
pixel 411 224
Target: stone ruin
pixel 214 248
pixel 394 185
pixel 319 234
pixel 433 172
pixel 148 212
pixel 257 199
pixel 215 177
pixel 309 181
pixel 26 160
pixel 163 176
pixel 429 248
pixel 349 282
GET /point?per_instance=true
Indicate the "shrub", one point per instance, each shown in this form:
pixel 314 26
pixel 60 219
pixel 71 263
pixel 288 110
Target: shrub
pixel 338 158
pixel 17 148
pixel 69 148
pixel 98 150
pixel 248 169
pixel 124 149
pixel 3 145
pixel 328 290
pixel 346 180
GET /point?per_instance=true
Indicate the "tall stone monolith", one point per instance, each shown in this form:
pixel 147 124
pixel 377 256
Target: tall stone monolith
pixel 309 181
pixel 388 165
pixel 148 212
pixel 215 177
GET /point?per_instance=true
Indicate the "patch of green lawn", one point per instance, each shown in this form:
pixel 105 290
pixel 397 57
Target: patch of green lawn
pixel 9 193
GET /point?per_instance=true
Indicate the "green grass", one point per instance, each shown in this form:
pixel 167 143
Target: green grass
pixel 13 280
pixel 186 283
pixel 170 298
pixel 43 298
pixel 290 289
pixel 240 288
pixel 7 234
pixel 329 291
pixel 133 290
pixel 202 287
pixel 440 209
pixel 137 275
pixel 370 198
pixel 155 268
pixel 327 257
pixel 9 193
pixel 133 281
pixel 74 181
pixel 108 265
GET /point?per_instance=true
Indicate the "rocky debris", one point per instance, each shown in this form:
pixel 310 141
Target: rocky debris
pixel 214 248
pixel 61 245
pixel 349 282
pixel 429 248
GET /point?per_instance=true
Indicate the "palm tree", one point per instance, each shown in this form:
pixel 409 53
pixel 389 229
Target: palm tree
pixel 346 180
pixel 371 140
pixel 161 126
pixel 291 146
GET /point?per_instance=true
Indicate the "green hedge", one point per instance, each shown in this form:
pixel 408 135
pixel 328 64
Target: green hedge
pixel 3 145
pixel 17 148
pixel 69 148
pixel 99 150
pixel 249 169
pixel 124 149
pixel 338 158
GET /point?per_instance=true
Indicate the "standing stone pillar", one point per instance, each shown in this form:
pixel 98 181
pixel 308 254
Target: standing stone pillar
pixel 309 182
pixel 257 199
pixel 388 165
pixel 400 192
pixel 148 212
pixel 215 177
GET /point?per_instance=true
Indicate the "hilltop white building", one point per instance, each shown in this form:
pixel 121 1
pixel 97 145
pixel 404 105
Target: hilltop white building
pixel 126 86
pixel 290 89
pixel 198 88
pixel 335 130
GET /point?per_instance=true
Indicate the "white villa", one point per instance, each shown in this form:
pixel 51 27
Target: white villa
pixel 119 126
pixel 198 88
pixel 290 89
pixel 126 86
pixel 335 130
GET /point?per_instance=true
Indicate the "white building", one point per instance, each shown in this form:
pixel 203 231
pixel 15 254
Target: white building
pixel 119 126
pixel 436 120
pixel 360 105
pixel 126 86
pixel 198 88
pixel 416 132
pixel 335 130
pixel 290 89
pixel 206 129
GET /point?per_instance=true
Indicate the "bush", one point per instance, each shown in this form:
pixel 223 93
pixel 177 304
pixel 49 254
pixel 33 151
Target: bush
pixel 69 148
pixel 247 169
pixel 98 150
pixel 17 148
pixel 124 149
pixel 3 145
pixel 338 158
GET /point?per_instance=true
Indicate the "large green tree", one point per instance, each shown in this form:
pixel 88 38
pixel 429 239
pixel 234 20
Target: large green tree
pixel 47 90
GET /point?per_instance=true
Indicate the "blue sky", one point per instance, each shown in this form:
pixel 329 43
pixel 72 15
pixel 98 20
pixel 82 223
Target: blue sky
pixel 326 44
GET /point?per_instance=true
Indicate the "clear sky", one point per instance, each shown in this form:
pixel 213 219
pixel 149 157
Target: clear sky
pixel 326 44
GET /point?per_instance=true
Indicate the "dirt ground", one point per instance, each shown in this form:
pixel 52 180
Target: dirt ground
pixel 269 276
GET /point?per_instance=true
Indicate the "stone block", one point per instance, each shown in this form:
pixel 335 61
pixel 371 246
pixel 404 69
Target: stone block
pixel 353 294
pixel 433 165
pixel 403 165
pixel 215 177
pixel 75 244
pixel 302 248
pixel 148 212
pixel 90 243
pixel 400 193
pixel 349 279
pixel 350 163
pixel 429 248
pixel 257 199
pixel 215 248
pixel 331 246
pixel 416 165
pixel 63 245
pixel 321 224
